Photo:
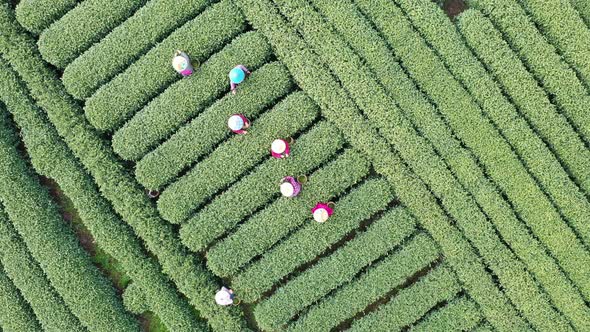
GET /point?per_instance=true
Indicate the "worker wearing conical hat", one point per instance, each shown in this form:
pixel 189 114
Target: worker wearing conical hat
pixel 182 64
pixel 322 211
pixel 224 296
pixel 237 76
pixel 290 187
pixel 238 123
pixel 280 148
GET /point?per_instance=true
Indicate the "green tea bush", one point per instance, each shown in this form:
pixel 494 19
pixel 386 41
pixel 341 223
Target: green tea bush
pixel 374 284
pixel 116 51
pixel 15 314
pixel 313 149
pixel 81 27
pixel 583 8
pixel 117 100
pixel 270 225
pixel 203 133
pixel 460 314
pixel 37 15
pixel 134 299
pixel 310 241
pixel 334 270
pixel 235 156
pixel 187 98
pixel 410 304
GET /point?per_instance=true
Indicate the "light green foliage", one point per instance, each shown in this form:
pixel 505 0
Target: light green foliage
pixel 37 15
pixel 583 8
pixel 120 47
pixel 15 314
pixel 460 314
pixel 82 26
pixel 134 299
pixel 187 98
pixel 117 100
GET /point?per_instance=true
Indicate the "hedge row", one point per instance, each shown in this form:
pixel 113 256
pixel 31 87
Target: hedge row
pixel 81 27
pixel 125 94
pixel 126 196
pixel 420 156
pixel 486 327
pixel 312 149
pixel 460 314
pixel 311 241
pixel 543 60
pixel 49 308
pixel 55 246
pixel 187 98
pixel 198 138
pixel 134 299
pixel 411 303
pixel 531 99
pixel 334 270
pixel 15 314
pixel 112 235
pixel 441 34
pixel 116 51
pixel 37 15
pixel 465 117
pixel 564 27
pixel 583 8
pixel 373 285
pixel 235 156
pixel 270 225
pixel 317 81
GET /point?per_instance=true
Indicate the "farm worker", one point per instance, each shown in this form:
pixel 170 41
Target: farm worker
pixel 280 148
pixel 153 193
pixel 322 211
pixel 290 187
pixel 238 123
pixel 182 63
pixel 224 296
pixel 237 76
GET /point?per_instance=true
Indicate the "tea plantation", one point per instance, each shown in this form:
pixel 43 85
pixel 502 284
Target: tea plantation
pixel 447 142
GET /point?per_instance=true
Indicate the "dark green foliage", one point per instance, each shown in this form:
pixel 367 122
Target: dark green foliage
pixel 36 15
pixel 134 299
pixel 460 314
pixel 15 314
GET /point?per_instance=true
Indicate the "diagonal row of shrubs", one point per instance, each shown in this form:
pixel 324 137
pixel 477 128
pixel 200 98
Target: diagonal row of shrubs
pixel 310 240
pixel 112 235
pixel 334 270
pixel 82 26
pixel 236 156
pixel 15 314
pixel 37 15
pixel 113 180
pixel 270 225
pixel 583 8
pixel 376 283
pixel 410 304
pixel 199 137
pixel 188 97
pixel 54 245
pixel 543 60
pixel 26 274
pixel 120 98
pixel 441 34
pixel 378 107
pixel 313 149
pixel 117 50
pixel 316 80
pixel 460 314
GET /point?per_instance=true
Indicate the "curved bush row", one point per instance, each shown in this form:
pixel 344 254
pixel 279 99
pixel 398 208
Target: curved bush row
pixel 421 157
pixel 583 8
pixel 202 134
pixel 49 308
pixel 486 327
pixel 372 285
pixel 235 156
pixel 542 60
pixel 118 186
pixel 313 149
pixel 465 117
pixel 134 299
pixel 15 314
pixel 112 235
pixel 460 314
pixel 188 97
pixel 564 27
pixel 334 270
pixel 36 15
pixel 311 241
pixel 440 32
pixel 270 225
pixel 411 303
pixel 125 43
pixel 55 246
pixel 316 80
pixel 82 26
pixel 117 100
pixel 525 94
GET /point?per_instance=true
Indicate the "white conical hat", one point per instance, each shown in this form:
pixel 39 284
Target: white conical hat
pixel 179 63
pixel 320 215
pixel 235 122
pixel 287 189
pixel 278 146
pixel 223 297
